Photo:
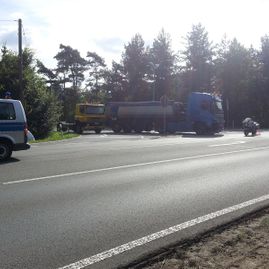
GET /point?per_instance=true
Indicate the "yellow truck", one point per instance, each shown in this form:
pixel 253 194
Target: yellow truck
pixel 87 117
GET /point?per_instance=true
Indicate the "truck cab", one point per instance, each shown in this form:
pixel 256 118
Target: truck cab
pixel 205 113
pixel 89 117
pixel 13 128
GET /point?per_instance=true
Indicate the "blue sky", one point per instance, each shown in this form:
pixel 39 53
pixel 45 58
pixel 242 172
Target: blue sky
pixel 104 26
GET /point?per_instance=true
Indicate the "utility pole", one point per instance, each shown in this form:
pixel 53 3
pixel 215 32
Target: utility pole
pixel 21 93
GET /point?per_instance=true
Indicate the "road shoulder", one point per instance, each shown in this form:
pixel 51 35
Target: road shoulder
pixel 241 244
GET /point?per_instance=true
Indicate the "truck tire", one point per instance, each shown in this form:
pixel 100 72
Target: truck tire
pixel 78 128
pixel 5 151
pixel 98 131
pixel 200 128
pixel 138 130
pixel 127 129
pixel 116 128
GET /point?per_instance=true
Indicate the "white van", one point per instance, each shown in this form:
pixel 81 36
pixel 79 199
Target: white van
pixel 13 128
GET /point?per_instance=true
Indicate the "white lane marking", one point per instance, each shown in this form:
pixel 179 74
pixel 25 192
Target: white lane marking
pixel 228 144
pixel 163 233
pixel 132 165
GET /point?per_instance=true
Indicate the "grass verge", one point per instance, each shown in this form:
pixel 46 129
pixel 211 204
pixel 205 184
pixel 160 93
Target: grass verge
pixel 54 136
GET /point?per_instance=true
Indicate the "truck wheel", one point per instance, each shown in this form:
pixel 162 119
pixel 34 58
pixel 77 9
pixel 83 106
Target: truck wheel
pixel 5 151
pixel 116 128
pixel 127 129
pixel 98 131
pixel 171 132
pixel 200 129
pixel 138 130
pixel 78 129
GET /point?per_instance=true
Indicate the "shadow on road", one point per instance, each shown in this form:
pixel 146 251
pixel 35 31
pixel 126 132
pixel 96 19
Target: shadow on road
pixel 11 160
pixel 155 134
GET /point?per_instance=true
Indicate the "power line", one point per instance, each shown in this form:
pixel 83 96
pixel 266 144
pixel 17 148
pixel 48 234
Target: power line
pixel 9 20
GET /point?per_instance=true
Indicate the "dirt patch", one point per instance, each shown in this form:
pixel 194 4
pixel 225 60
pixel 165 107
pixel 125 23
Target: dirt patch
pixel 243 245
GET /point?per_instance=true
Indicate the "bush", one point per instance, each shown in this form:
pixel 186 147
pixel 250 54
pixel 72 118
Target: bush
pixel 42 109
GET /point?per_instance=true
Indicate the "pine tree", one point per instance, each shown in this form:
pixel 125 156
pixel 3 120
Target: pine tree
pixel 162 64
pixel 198 58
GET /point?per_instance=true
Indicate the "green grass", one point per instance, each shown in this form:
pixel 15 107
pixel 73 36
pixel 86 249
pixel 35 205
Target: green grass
pixel 54 136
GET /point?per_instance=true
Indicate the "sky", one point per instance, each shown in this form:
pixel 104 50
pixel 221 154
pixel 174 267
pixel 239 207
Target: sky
pixel 105 26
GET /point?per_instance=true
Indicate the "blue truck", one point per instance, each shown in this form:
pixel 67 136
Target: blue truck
pixel 202 114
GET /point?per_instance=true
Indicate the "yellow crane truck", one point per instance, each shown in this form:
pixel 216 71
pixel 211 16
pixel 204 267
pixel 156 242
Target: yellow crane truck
pixel 87 117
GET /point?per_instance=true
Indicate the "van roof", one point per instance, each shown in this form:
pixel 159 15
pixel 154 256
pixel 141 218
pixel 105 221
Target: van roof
pixel 10 100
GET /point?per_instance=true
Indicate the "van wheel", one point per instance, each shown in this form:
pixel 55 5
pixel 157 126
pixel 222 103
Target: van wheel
pixel 5 151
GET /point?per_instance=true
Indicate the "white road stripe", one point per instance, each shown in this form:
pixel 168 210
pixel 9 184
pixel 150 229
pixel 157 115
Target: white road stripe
pixel 163 233
pixel 131 166
pixel 228 144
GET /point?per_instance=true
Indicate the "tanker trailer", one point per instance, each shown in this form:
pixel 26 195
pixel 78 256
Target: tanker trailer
pixel 142 116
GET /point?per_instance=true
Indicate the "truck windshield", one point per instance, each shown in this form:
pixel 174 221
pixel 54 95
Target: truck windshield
pixel 94 110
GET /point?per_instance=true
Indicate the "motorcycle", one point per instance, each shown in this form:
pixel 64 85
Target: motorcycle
pixel 250 126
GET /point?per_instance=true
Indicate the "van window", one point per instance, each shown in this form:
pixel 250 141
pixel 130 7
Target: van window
pixel 7 111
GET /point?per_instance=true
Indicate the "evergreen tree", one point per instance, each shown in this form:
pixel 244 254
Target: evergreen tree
pixel 265 56
pixel 239 72
pixel 70 65
pixel 95 82
pixel 70 69
pixel 198 58
pixel 135 62
pixel 52 80
pixel 162 64
pixel 116 83
pixel 264 59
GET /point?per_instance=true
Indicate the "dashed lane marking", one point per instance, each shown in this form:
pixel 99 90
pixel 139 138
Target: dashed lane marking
pixel 132 165
pixel 228 144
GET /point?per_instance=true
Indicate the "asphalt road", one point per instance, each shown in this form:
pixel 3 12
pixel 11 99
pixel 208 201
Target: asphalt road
pixel 90 200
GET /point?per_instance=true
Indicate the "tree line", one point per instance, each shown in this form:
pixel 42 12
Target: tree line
pixel 239 74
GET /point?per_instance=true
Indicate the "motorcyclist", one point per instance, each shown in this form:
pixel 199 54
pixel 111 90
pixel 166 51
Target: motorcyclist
pixel 250 126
